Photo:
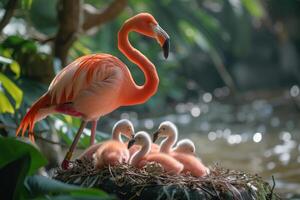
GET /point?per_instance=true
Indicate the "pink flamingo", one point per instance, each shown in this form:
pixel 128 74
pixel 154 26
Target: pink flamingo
pixel 95 85
pixel 122 127
pixel 143 156
pixel 191 163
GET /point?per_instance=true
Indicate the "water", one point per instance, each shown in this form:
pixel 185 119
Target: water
pixel 259 135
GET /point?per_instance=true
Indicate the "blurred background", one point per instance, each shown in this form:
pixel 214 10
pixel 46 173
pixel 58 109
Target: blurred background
pixel 231 82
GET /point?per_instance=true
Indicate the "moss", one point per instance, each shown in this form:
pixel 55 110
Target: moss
pixel 151 182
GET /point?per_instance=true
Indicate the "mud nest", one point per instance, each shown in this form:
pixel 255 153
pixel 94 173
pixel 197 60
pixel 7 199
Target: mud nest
pixel 127 182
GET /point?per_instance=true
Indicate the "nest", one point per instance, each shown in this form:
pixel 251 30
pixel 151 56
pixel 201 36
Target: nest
pixel 128 182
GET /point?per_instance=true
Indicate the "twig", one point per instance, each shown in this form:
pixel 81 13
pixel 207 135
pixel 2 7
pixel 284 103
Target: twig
pixel 273 187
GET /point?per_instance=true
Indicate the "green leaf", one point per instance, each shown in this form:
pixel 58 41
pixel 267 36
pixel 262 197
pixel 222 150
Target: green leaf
pixel 254 7
pixel 15 67
pixel 12 149
pixel 26 4
pixel 12 89
pixel 40 185
pixel 5 105
pixel 15 172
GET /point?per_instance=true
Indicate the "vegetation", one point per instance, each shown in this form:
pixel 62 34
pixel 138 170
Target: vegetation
pixel 20 162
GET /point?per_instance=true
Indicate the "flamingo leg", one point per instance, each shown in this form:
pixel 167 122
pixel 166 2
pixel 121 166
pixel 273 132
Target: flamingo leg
pixel 66 162
pixel 93 132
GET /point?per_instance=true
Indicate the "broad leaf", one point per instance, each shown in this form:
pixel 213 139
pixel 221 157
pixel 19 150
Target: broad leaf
pixel 11 149
pixel 5 105
pixel 12 177
pixel 12 89
pixel 15 67
pixel 40 185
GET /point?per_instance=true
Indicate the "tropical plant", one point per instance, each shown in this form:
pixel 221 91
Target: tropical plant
pixel 18 166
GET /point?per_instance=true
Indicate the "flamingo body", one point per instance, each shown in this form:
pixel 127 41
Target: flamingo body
pixel 191 164
pixel 88 88
pixel 169 164
pixel 111 153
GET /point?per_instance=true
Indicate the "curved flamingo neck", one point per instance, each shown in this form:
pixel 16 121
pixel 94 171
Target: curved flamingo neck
pixel 145 150
pixel 169 142
pixel 116 135
pixel 137 94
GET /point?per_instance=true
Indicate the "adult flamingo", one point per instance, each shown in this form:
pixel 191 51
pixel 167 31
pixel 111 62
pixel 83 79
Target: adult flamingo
pixel 95 85
pixel 143 156
pixel 191 163
pixel 122 127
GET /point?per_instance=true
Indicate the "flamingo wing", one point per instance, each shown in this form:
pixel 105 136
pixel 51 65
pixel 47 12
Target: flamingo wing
pixel 79 75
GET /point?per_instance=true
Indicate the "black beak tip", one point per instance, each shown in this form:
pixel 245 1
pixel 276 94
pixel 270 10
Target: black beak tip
pixel 166 48
pixel 155 136
pixel 130 143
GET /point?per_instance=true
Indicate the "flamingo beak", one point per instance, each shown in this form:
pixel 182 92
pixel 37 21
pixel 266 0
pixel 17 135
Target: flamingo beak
pixel 155 136
pixel 166 48
pixel 163 39
pixel 131 143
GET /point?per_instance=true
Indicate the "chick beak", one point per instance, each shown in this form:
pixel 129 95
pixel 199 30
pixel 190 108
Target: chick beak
pixel 131 143
pixel 155 136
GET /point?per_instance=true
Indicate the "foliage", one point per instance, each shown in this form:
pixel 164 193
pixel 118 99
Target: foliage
pixel 8 89
pixel 18 164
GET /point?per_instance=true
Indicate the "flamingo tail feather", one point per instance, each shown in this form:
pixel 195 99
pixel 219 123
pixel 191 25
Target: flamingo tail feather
pixel 30 118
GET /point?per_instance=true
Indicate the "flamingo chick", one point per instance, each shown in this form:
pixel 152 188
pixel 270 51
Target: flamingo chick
pixel 143 156
pixel 93 86
pixel 186 146
pixel 191 163
pixel 111 153
pixel 122 127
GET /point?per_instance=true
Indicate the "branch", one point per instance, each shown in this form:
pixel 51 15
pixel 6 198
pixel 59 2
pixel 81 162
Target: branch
pixel 94 17
pixel 68 17
pixel 9 11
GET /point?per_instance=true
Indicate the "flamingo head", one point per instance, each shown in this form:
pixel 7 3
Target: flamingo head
pixel 186 146
pixel 125 127
pixel 141 138
pixel 145 24
pixel 165 129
